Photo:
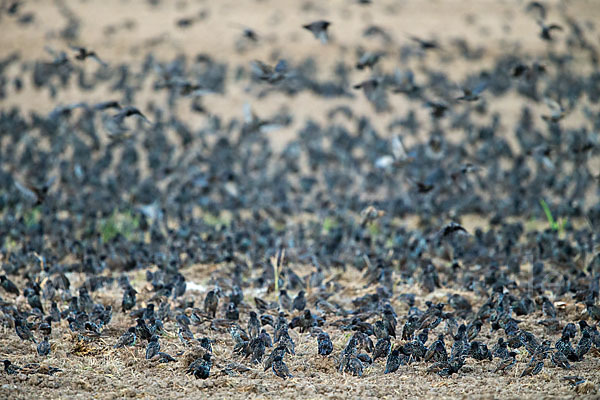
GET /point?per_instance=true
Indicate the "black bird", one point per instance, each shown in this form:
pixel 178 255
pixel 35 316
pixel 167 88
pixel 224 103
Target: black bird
pixel 36 193
pixel 10 368
pixel 584 345
pixel 232 312
pixel 206 343
pixel 473 329
pixel 43 349
pixel 319 29
pixel 23 330
pixel 253 325
pixel 8 285
pixel 473 94
pixel 570 330
pixel 394 360
pixel 278 351
pixel 299 301
pixel 200 368
pixel 127 339
pixel 81 53
pixel 382 348
pixel 425 44
pixel 284 300
pixel 129 298
pixel 165 358
pixel 411 325
pixel 437 351
pixel 153 347
pixel 500 349
pixel 560 360
pixel 506 363
pixel 211 303
pixel 325 347
pixel 141 330
pixel 534 367
pixel 33 298
pixel 546 30
pixel 389 321
pixel 115 124
pixel 279 368
pixel 368 60
pixel 46 327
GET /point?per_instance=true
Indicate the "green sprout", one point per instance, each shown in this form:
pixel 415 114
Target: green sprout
pixel 32 217
pixel 558 226
pixel 125 224
pixel 328 224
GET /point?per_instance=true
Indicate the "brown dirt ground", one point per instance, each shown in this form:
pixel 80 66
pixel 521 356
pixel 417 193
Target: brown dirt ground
pixel 99 371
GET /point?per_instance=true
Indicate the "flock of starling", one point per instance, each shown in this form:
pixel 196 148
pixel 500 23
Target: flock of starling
pixel 91 193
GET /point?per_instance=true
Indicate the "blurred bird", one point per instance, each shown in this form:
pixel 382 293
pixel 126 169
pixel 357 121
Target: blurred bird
pixel 319 30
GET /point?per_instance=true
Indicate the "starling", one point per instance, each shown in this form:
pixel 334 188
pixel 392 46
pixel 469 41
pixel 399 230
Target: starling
pixel 185 334
pixel 127 339
pixel 382 348
pixel 165 358
pixel 43 349
pixel 23 330
pixel 258 349
pixel 546 30
pixel 141 330
pixel 564 346
pixel 10 368
pixel 46 327
pixel 394 360
pixel 36 193
pixel 354 366
pixel 500 349
pixel 232 312
pixel 206 343
pixel 548 308
pixel 153 347
pixel 285 301
pixel 364 358
pixel 584 345
pixel 299 301
pixel 389 321
pixel 278 351
pixel 200 368
pixel 411 325
pixel 266 338
pixel 319 30
pixel 211 302
pixel 368 60
pixel 267 73
pixel 325 347
pixel 473 329
pixel 506 363
pixel 54 312
pixel 425 44
pixel 560 360
pixel 479 351
pixel 253 325
pixel 473 95
pixel 534 367
pixel 8 285
pixel 437 351
pixel 33 299
pixel 82 53
pixel 115 124
pixel 128 299
pixel 279 368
